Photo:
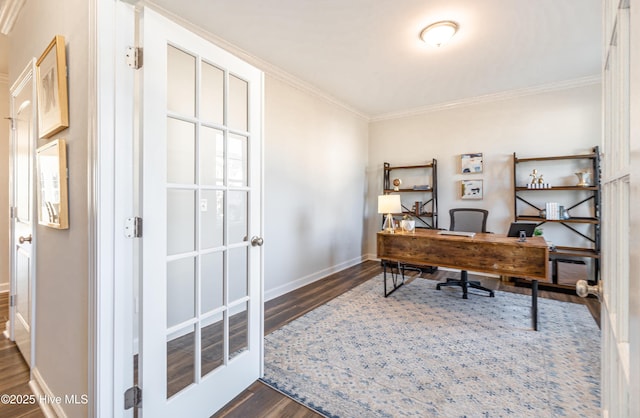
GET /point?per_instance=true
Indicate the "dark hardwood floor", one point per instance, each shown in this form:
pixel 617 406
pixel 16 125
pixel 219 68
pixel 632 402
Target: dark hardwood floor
pixel 259 400
pixel 14 372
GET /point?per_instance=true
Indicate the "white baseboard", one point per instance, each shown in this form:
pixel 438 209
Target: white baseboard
pixel 4 287
pixel 42 392
pixel 303 281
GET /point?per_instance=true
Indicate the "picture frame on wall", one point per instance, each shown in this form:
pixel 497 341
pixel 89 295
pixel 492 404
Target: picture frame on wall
pixel 51 165
pixel 51 85
pixel 471 163
pixel 471 189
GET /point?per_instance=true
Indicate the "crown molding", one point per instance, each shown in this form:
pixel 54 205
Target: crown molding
pixel 268 68
pixel 297 83
pixel 494 97
pixel 9 11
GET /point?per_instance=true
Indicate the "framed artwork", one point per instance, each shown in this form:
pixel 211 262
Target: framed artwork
pixel 471 163
pixel 51 161
pixel 471 189
pixel 51 78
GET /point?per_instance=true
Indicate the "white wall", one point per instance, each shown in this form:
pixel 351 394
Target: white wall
pixel 557 122
pixel 315 165
pixel 4 185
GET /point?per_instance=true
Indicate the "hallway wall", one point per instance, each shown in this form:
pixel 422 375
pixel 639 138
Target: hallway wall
pixel 62 255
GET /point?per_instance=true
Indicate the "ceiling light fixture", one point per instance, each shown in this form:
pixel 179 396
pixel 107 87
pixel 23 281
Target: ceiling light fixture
pixel 439 33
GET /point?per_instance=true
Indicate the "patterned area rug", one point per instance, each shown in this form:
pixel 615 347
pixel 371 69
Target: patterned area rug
pixel 428 353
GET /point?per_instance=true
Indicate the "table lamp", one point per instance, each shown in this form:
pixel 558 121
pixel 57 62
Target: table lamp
pixel 388 204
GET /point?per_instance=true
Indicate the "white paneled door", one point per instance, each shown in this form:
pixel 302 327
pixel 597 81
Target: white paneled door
pixel 201 285
pixel 23 137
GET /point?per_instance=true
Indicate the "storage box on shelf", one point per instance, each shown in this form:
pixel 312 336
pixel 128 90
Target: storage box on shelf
pixel 553 200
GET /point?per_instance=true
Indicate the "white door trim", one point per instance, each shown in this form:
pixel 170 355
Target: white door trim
pixel 110 175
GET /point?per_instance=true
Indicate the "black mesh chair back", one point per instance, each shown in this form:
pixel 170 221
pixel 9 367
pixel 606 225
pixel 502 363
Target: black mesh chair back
pixel 468 220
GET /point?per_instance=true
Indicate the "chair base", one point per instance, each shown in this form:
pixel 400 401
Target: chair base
pixel 464 283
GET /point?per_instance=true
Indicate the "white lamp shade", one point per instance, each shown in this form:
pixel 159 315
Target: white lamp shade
pixel 389 203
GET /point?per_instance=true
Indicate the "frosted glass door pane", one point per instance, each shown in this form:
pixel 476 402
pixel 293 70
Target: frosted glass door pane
pixel 181 82
pixel 237 273
pixel 212 94
pixel 211 157
pixel 212 281
pixel 181 288
pixel 181 221
pixel 211 219
pixel 237 160
pixel 237 217
pixel 238 104
pixel 181 151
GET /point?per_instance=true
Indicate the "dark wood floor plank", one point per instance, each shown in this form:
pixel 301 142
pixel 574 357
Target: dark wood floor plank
pixel 14 372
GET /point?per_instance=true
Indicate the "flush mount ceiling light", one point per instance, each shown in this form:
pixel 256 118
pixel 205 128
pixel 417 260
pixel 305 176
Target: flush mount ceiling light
pixel 439 33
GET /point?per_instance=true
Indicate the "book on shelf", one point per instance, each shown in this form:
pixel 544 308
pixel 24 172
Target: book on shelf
pixel 552 211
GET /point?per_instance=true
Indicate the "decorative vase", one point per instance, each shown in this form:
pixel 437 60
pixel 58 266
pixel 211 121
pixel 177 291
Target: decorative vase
pixel 408 225
pixel 583 178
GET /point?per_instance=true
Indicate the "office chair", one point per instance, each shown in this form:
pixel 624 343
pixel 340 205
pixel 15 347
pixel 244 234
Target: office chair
pixel 468 220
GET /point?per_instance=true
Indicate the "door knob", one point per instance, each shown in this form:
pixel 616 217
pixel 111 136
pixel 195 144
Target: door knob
pixel 22 239
pixel 583 289
pixel 257 241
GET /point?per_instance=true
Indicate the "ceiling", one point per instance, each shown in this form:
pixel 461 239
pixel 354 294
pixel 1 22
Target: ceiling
pixel 367 53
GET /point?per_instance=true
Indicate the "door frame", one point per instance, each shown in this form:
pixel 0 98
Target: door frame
pixel 113 133
pixel 110 176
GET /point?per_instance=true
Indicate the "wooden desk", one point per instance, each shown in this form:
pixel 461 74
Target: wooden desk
pixel 486 253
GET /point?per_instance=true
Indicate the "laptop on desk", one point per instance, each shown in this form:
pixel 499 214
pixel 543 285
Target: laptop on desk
pixel 516 227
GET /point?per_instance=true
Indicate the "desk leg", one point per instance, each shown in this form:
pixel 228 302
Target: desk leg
pixel 395 277
pixel 534 304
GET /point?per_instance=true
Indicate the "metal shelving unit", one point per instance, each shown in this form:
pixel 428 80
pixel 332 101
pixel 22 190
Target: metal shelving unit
pixel 427 214
pixel 567 254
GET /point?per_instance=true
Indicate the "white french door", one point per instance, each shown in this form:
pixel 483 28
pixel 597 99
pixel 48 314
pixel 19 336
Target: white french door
pixel 621 197
pixel 23 137
pixel 201 280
